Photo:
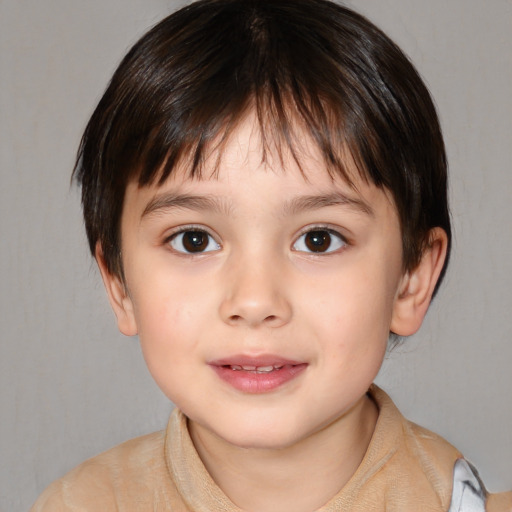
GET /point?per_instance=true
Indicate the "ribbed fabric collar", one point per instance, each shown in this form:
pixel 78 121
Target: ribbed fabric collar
pixel 201 493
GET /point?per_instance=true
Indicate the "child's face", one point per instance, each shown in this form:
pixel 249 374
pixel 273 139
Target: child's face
pixel 261 267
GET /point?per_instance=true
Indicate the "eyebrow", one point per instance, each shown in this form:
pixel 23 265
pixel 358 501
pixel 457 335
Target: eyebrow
pixel 172 201
pixel 315 202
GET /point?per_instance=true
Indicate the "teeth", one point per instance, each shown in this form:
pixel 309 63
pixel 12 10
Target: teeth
pixel 264 369
pixel 258 369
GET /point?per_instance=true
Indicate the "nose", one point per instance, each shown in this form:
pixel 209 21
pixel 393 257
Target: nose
pixel 255 295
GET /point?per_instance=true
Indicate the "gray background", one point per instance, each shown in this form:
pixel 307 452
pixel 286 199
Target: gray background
pixel 71 386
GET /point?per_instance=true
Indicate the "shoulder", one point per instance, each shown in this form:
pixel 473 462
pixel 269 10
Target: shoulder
pixel 429 462
pixel 434 454
pixel 99 483
pixel 429 469
pixel 417 454
pixel 468 492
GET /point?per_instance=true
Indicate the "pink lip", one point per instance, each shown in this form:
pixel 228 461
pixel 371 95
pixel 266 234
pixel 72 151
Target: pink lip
pixel 252 381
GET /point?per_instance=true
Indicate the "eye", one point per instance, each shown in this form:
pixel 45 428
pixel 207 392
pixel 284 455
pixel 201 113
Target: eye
pixel 193 241
pixel 320 241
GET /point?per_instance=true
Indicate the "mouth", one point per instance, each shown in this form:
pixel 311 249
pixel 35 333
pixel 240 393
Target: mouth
pixel 256 369
pixel 257 375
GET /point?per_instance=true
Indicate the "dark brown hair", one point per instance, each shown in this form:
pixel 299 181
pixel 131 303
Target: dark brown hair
pixel 312 63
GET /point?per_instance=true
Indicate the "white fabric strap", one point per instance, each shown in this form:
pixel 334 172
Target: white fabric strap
pixel 469 494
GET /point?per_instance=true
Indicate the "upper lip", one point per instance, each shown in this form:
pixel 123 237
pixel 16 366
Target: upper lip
pixel 258 361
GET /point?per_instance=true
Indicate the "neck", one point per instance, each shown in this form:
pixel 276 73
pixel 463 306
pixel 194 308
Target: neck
pixel 311 471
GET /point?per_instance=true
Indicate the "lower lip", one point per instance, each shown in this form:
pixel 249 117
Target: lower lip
pixel 254 382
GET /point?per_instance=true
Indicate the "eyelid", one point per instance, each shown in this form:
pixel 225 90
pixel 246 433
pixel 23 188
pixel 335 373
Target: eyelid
pixel 190 227
pixel 337 230
pixel 333 230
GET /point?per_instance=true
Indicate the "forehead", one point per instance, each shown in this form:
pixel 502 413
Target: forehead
pixel 248 163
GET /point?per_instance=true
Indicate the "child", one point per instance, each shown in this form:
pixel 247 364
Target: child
pixel 264 190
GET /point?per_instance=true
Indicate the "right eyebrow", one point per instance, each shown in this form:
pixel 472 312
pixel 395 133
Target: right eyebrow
pixel 170 201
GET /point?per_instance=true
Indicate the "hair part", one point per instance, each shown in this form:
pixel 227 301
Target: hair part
pixel 312 64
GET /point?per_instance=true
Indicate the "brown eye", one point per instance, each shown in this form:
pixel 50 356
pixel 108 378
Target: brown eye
pixel 193 241
pixel 319 241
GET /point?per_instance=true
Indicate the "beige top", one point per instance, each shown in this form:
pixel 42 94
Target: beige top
pixel 406 468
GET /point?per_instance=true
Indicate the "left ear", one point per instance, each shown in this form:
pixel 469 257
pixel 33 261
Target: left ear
pixel 417 286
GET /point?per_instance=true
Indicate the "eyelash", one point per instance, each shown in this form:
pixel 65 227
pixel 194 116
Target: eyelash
pixel 341 244
pixel 179 245
pixel 191 229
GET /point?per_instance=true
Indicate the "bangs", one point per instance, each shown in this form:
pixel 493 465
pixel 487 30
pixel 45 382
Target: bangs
pixel 281 122
pixel 188 98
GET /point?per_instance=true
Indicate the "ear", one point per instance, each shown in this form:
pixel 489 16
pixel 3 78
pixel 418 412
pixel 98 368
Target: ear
pixel 117 295
pixel 417 286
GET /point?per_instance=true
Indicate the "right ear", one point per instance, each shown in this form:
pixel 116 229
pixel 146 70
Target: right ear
pixel 117 295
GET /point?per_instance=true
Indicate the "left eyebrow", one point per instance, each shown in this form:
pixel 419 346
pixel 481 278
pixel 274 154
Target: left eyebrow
pixel 315 202
pixel 170 201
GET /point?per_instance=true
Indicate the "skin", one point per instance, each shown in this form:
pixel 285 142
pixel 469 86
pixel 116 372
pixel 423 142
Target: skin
pixel 258 289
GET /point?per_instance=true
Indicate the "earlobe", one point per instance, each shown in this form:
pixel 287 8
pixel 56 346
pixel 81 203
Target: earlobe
pixel 118 296
pixel 417 286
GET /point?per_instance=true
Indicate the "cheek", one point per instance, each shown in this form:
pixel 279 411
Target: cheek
pixel 168 335
pixel 164 298
pixel 352 316
pixel 167 324
pixel 167 317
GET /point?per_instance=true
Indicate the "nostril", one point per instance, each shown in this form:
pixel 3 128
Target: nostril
pixel 240 318
pixel 248 311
